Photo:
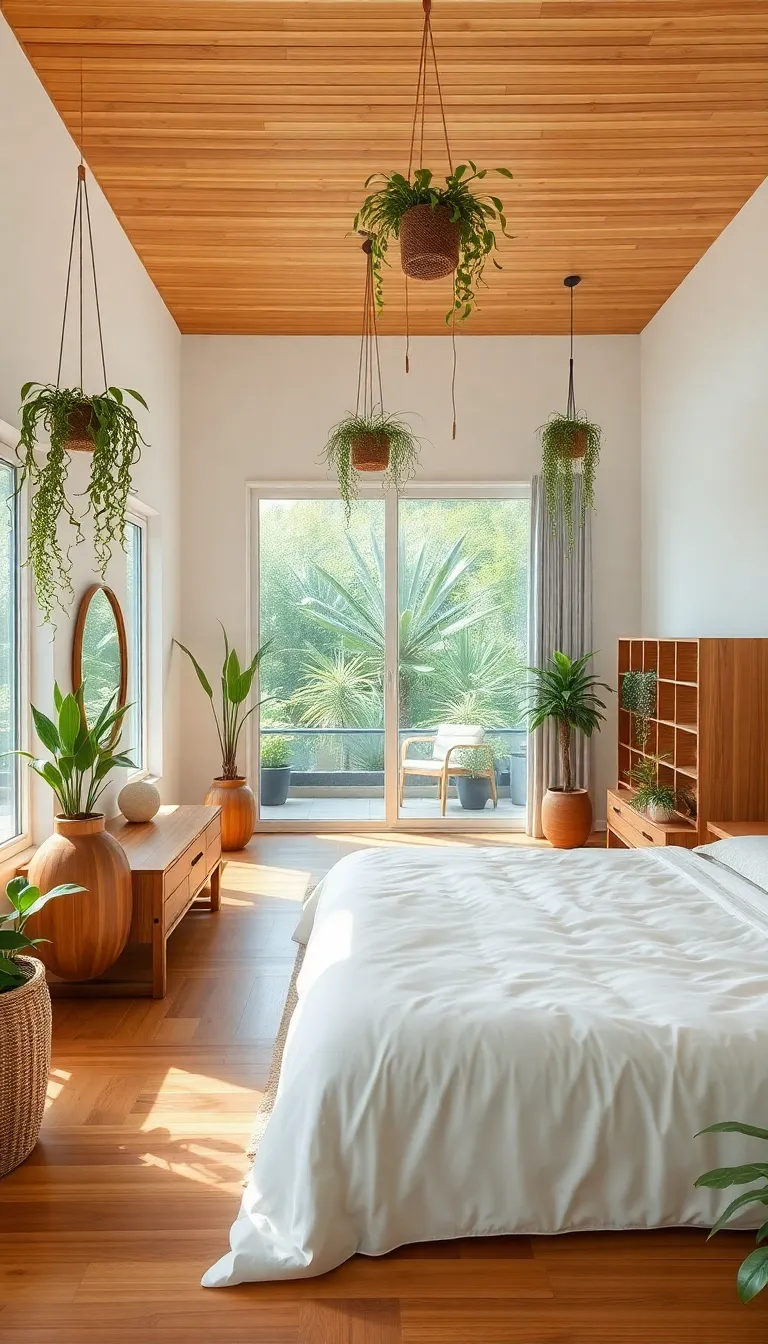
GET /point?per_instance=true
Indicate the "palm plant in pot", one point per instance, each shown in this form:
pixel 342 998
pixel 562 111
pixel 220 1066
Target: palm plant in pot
pixel 230 790
pixel 566 440
pixel 566 693
pixel 25 1022
pixel 87 934
pixel 275 759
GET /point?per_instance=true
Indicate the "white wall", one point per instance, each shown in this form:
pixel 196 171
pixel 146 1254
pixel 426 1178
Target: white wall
pixel 705 442
pixel 258 408
pixel 143 350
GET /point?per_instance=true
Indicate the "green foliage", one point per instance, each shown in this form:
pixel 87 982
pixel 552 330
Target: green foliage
pixel 403 451
pixel 477 215
pixel 340 691
pixel 83 756
pixel 484 755
pixel 275 752
pixel 477 681
pixel 236 685
pixel 117 444
pixel 638 694
pixel 644 776
pixel 25 902
pixel 557 467
pixel 563 690
pixel 752 1276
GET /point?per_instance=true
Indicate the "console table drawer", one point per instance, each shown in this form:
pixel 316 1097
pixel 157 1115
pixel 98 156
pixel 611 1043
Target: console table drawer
pixel 175 903
pixel 185 865
pixel 213 832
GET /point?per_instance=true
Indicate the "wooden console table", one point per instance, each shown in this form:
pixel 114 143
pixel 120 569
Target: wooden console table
pixel 174 860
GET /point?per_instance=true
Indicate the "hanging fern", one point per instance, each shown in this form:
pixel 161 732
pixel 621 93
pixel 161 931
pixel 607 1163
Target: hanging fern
pixel 566 439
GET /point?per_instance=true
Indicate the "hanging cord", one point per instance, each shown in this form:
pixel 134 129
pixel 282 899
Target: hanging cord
pixel 69 277
pixel 571 406
pixel 453 371
pixel 369 364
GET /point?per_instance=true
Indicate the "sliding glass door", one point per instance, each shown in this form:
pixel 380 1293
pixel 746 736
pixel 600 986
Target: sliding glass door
pixel 408 621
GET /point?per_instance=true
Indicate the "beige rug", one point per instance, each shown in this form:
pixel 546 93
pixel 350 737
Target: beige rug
pixel 270 1091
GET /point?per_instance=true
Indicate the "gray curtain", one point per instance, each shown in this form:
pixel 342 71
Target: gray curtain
pixel 559 617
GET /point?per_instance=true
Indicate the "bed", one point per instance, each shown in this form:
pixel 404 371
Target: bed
pixel 508 1040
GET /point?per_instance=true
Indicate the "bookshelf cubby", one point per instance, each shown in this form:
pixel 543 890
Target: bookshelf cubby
pixel 711 724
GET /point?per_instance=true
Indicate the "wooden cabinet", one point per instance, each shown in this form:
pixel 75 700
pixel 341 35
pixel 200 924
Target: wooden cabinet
pixel 710 726
pixel 628 829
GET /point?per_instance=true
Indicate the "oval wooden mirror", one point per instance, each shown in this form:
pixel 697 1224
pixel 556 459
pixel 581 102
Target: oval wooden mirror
pixel 100 651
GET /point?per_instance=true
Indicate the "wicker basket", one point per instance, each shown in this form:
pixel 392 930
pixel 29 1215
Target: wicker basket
pixel 25 1057
pixel 370 452
pixel 576 446
pixel 81 419
pixel 429 242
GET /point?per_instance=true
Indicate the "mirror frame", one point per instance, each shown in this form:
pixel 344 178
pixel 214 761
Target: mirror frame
pixel 122 641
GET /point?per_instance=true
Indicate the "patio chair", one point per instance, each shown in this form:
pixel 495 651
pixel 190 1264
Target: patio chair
pixel 449 738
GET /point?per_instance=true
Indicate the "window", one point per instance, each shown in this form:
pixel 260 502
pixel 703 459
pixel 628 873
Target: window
pixel 135 731
pixel 11 821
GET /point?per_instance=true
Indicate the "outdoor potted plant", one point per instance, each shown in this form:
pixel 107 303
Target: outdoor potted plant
pixel 102 425
pixel 275 770
pixel 443 228
pixel 565 692
pixel 25 1023
pixel 230 790
pixel 371 441
pixel 88 933
pixel 658 801
pixel 475 790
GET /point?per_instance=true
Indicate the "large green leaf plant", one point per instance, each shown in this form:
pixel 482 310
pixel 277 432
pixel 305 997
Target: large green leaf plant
pixel 564 691
pixel 753 1271
pixel 25 901
pixel 236 683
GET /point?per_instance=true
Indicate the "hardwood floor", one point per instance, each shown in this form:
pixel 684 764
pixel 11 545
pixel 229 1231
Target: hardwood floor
pixel 105 1231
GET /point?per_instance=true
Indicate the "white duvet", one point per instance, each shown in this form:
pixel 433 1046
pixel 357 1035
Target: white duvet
pixel 508 1041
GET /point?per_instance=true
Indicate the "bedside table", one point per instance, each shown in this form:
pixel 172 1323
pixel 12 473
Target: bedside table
pixel 729 830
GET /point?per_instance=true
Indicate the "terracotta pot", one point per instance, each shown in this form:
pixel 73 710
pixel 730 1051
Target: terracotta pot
pixel 566 818
pixel 81 420
pixel 576 448
pixel 370 452
pixel 88 931
pixel 238 811
pixel 429 242
pixel 25 1058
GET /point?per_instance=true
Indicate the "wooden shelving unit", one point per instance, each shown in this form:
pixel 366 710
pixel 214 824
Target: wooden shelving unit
pixel 711 723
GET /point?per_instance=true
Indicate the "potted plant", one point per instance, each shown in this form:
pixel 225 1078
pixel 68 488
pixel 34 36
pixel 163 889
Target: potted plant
pixel 565 440
pixel 25 1023
pixel 275 770
pixel 566 692
pixel 658 801
pixel 71 421
pixel 88 933
pixel 371 441
pixel 638 695
pixel 230 790
pixel 753 1271
pixel 442 227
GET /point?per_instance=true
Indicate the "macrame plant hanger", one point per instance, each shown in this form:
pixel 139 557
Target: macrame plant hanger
pixel 369 365
pixel 80 218
pixel 419 117
pixel 571 281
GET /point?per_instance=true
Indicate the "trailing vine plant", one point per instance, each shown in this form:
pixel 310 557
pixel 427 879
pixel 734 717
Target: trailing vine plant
pixel 638 694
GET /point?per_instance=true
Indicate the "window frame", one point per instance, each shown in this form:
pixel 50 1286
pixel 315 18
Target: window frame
pixel 139 520
pixel 21 841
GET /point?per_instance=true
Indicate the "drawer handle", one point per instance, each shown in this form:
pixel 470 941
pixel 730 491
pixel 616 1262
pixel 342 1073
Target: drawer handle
pixel 617 810
pixel 647 836
pixel 197 859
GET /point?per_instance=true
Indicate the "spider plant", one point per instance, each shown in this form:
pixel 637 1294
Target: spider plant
pixel 402 445
pixel 566 439
pixel 236 685
pixel 649 793
pixel 109 423
pixel 478 217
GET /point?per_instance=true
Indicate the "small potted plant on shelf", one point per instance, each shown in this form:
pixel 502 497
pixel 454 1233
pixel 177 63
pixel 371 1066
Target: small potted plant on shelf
pixel 565 692
pixel 371 442
pixel 89 933
pixel 230 790
pixel 443 227
pixel 658 801
pixel 25 1022
pixel 638 695
pixel 73 422
pixel 752 1276
pixel 275 770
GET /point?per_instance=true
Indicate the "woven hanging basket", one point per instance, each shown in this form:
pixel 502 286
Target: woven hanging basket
pixel 81 420
pixel 429 242
pixel 25 1057
pixel 370 452
pixel 576 446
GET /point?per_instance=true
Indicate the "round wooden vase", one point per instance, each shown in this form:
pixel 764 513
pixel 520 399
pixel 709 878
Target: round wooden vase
pixel 566 818
pixel 429 242
pixel 238 811
pixel 89 930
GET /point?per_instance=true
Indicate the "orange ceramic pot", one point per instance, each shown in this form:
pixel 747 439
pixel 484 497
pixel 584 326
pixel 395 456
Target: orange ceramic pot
pixel 566 818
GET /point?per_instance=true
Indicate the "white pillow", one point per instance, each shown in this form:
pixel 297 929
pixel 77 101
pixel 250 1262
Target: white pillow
pixel 746 855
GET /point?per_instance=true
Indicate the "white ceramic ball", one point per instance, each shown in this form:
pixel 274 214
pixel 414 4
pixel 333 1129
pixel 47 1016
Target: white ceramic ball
pixel 138 801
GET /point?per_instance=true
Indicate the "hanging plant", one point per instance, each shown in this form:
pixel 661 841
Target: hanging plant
pixel 565 440
pixel 638 695
pixel 370 440
pixel 74 422
pixel 442 229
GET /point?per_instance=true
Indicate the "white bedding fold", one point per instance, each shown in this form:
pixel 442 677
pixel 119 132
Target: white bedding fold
pixel 507 1040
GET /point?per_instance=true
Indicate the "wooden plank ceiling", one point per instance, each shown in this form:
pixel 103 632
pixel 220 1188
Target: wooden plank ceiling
pixel 233 137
